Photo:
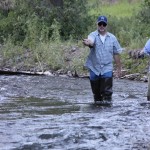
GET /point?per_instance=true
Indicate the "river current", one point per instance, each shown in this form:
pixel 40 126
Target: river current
pixel 57 113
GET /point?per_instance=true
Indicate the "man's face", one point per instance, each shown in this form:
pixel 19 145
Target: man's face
pixel 102 26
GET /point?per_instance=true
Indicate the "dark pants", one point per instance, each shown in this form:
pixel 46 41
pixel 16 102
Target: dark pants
pixel 101 86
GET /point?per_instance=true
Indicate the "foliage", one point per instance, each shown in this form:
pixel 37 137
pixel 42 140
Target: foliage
pixel 25 22
pixel 39 34
pixel 134 65
pixel 120 8
pixel 55 27
pixel 74 19
pixel 11 53
pixel 142 20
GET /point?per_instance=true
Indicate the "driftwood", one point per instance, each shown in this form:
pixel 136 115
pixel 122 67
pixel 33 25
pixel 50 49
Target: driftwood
pixel 135 76
pixel 47 73
pixel 131 76
pixel 9 72
pixel 125 75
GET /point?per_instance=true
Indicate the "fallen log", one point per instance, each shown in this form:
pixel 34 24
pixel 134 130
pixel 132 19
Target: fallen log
pixel 9 72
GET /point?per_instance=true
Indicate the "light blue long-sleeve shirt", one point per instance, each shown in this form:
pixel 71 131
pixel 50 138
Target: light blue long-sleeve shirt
pixel 147 47
pixel 100 58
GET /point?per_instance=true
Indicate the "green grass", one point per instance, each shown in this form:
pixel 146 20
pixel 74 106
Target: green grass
pixel 120 9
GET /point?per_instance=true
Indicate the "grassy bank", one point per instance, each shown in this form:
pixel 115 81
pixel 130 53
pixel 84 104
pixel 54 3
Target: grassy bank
pixel 118 8
pixel 53 54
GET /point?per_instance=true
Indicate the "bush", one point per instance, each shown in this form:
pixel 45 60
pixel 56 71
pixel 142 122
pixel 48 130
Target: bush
pixel 143 19
pixel 25 22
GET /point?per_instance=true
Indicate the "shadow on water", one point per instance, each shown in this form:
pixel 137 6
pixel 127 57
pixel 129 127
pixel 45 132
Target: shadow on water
pixel 38 106
pixel 42 113
pixel 31 106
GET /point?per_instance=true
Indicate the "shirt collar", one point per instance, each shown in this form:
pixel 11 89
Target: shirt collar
pixel 97 33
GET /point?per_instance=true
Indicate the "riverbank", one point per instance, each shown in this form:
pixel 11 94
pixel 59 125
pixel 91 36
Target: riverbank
pixel 136 76
pixel 71 64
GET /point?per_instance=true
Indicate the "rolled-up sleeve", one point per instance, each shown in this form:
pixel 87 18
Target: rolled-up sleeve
pixel 117 48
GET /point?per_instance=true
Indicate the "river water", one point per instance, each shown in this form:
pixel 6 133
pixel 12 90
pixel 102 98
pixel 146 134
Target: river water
pixel 57 113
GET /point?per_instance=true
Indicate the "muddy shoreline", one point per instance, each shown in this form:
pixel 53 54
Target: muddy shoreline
pixel 125 75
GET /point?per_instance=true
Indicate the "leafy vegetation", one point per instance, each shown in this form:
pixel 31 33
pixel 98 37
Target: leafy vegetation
pixel 37 36
pixel 120 9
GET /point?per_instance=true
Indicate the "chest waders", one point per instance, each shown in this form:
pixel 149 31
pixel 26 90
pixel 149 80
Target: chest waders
pixel 102 89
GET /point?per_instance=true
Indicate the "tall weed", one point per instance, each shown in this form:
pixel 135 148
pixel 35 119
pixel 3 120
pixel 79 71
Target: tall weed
pixel 32 31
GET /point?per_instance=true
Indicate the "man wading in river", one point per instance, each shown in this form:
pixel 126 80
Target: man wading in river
pixel 146 50
pixel 104 46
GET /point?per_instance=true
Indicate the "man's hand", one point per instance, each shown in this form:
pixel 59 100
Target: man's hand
pixel 136 54
pixel 118 73
pixel 87 42
pixel 141 54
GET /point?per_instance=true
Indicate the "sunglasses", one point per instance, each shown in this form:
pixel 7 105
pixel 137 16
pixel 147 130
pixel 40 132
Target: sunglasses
pixel 102 23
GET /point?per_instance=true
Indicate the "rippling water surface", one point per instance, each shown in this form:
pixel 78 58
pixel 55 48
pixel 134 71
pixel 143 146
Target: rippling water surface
pixel 54 113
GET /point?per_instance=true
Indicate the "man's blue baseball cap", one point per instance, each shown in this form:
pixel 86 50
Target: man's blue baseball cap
pixel 102 19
